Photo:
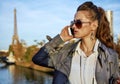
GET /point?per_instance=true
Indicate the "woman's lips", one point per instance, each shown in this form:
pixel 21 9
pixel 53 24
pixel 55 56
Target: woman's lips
pixel 75 32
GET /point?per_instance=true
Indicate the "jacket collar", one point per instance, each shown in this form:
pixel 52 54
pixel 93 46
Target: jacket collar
pixel 107 54
pixel 101 49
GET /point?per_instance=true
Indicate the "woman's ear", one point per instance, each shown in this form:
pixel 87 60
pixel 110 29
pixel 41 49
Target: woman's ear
pixel 94 25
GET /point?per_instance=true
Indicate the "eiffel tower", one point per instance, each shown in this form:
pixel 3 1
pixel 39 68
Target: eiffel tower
pixel 15 46
pixel 15 39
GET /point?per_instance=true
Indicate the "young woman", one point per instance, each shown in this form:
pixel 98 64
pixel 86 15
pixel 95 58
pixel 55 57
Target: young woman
pixel 89 60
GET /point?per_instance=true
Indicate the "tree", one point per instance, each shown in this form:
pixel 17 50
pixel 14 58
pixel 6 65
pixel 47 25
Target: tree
pixel 31 50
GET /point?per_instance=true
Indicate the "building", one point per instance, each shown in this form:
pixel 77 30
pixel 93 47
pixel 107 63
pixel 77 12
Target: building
pixel 109 15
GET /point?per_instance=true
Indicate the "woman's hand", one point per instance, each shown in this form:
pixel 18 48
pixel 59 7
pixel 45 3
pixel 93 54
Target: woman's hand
pixel 65 34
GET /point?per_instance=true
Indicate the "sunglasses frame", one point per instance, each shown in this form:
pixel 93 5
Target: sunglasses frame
pixel 78 23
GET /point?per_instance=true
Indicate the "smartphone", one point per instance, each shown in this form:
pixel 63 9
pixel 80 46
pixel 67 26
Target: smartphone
pixel 70 31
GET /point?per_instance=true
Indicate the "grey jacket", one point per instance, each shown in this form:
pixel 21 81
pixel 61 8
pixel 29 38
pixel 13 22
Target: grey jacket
pixel 60 57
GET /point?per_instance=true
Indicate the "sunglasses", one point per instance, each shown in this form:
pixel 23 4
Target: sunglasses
pixel 78 23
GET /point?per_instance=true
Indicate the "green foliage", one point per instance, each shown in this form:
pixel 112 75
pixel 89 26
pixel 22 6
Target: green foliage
pixel 29 53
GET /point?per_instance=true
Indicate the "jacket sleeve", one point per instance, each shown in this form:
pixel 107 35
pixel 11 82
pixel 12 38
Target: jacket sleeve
pixel 44 56
pixel 116 74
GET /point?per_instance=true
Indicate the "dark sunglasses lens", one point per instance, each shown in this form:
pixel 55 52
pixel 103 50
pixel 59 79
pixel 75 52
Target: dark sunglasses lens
pixel 78 24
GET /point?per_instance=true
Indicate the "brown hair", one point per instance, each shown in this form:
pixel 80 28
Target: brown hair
pixel 103 30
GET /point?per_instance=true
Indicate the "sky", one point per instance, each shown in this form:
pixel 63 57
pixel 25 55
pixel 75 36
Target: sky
pixel 38 18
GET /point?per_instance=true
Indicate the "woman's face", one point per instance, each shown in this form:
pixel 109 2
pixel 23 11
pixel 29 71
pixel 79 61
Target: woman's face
pixel 82 24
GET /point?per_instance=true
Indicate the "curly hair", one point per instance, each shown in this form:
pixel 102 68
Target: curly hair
pixel 103 31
